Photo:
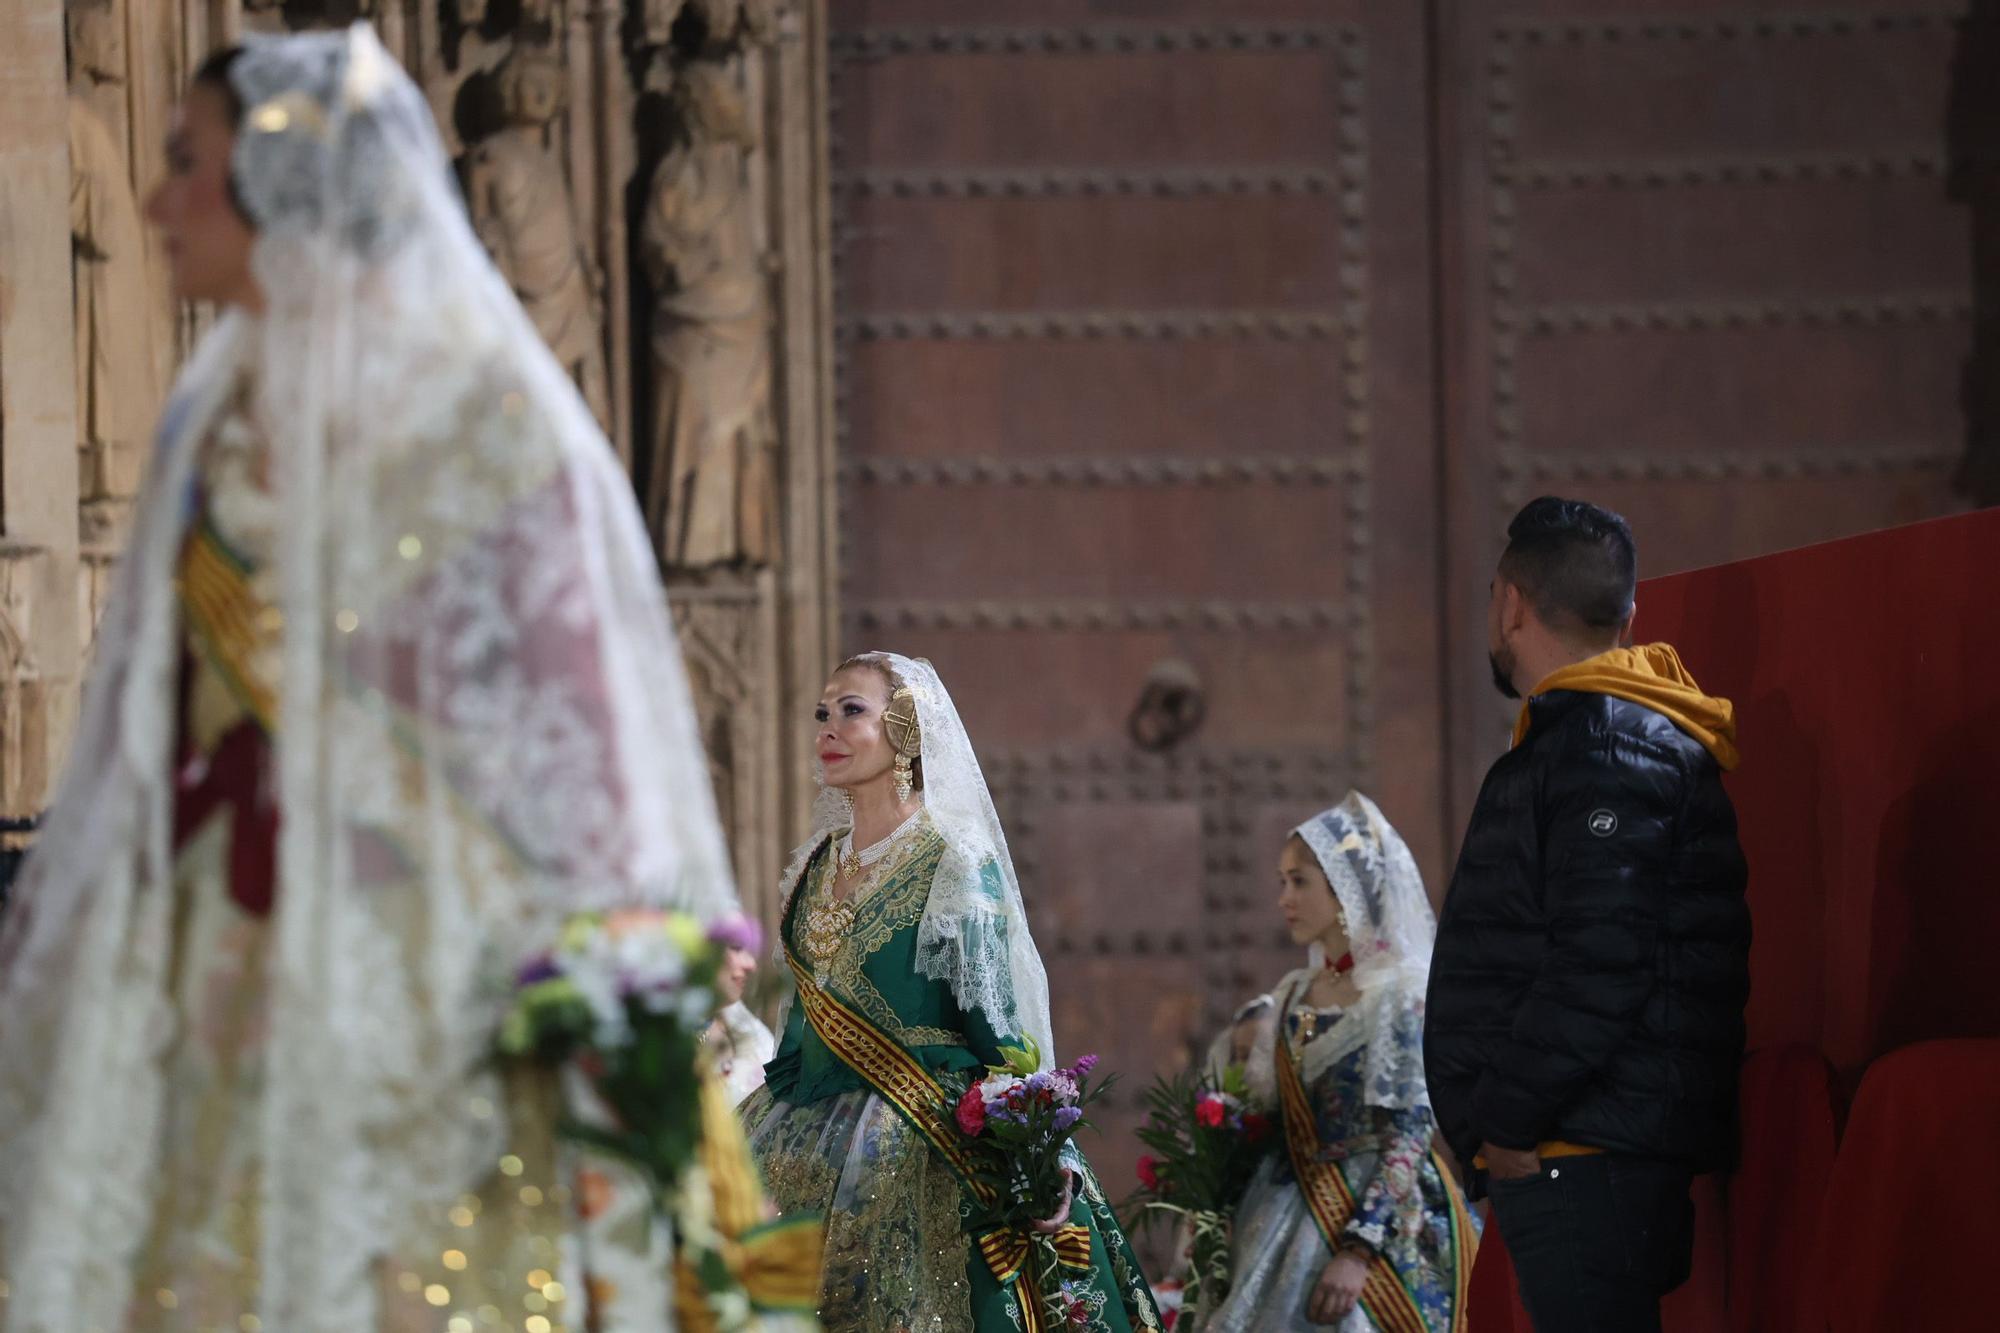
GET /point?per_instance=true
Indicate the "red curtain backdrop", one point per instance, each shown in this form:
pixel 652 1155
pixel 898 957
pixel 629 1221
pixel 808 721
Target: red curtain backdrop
pixel 1866 675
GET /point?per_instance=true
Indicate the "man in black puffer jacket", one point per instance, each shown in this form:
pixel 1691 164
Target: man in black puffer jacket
pixel 1585 1019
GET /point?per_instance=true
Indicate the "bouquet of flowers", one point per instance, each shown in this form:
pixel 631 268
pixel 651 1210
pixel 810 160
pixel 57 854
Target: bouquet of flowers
pixel 620 1005
pixel 625 996
pixel 1020 1120
pixel 1206 1139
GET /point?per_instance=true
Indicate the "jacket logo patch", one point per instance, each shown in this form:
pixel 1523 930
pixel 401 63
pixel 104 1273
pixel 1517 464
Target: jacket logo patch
pixel 1603 823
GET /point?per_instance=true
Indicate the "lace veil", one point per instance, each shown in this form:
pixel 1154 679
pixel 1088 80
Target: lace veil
pixel 483 725
pixel 1390 927
pixel 974 931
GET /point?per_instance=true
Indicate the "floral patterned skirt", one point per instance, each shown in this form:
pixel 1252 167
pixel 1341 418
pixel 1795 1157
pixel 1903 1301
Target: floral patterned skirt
pixel 898 1259
pixel 1278 1254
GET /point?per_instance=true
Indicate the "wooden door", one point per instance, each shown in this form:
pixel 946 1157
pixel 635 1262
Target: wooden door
pixel 1700 264
pixel 1223 336
pixel 1135 362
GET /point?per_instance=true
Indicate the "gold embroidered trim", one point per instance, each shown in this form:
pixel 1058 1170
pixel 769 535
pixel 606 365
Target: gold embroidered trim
pixel 889 1069
pixel 930 1037
pixel 894 904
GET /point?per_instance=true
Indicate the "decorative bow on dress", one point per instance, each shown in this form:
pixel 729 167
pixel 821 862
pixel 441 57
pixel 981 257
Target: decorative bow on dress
pixel 1009 1251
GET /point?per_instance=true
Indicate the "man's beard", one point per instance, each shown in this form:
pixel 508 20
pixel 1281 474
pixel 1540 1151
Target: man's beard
pixel 1503 674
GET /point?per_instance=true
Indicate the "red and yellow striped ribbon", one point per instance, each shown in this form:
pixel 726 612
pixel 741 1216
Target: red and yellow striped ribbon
pixel 1009 1254
pixel 889 1068
pixel 1007 1249
pixel 777 1263
pixel 1388 1302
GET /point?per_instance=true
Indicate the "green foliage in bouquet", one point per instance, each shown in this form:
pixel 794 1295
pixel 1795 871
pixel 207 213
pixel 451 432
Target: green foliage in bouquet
pixel 625 998
pixel 1020 1120
pixel 1207 1139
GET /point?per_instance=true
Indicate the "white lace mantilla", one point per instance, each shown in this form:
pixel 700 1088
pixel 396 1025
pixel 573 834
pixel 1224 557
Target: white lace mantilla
pixel 484 725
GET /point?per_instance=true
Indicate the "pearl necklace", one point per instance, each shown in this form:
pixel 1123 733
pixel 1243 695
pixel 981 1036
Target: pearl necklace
pixel 853 863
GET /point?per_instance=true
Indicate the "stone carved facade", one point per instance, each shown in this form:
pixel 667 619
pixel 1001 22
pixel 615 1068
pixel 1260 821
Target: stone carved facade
pixel 522 209
pixel 118 364
pixel 711 497
pixel 617 155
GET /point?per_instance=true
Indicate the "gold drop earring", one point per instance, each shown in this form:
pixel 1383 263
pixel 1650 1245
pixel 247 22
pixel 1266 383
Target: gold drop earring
pixel 905 778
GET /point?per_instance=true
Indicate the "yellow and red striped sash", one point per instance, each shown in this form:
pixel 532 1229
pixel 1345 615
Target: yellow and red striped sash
pixel 887 1066
pixel 227 619
pixel 1388 1302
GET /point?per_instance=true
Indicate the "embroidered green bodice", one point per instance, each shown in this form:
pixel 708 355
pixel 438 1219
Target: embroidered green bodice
pixel 871 965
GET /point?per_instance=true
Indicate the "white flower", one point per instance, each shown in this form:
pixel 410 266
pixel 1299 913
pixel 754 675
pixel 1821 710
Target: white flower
pixel 648 961
pixel 693 1007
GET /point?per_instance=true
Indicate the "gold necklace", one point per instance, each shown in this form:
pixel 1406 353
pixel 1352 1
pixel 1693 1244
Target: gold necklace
pixel 829 919
pixel 1306 1017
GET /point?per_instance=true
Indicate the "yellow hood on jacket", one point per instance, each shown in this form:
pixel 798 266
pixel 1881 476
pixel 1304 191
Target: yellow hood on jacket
pixel 1654 678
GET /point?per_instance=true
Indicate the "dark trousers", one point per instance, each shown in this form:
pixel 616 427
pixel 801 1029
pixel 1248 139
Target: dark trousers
pixel 1596 1241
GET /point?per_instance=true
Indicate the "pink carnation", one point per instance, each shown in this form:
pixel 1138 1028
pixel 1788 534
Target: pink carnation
pixel 972 1111
pixel 1211 1112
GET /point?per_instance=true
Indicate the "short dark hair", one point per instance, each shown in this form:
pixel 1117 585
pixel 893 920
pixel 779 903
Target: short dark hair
pixel 1575 562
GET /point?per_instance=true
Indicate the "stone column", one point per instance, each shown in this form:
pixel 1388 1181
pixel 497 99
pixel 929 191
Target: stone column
pixel 40 626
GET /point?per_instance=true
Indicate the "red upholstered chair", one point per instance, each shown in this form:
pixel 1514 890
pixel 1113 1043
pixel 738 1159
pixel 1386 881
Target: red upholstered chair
pixel 1700 1305
pixel 1775 1198
pixel 1493 1305
pixel 1907 1235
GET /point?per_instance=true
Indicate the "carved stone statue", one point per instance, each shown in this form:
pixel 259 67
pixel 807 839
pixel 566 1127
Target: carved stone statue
pixel 525 215
pixel 725 20
pixel 99 62
pixel 473 12
pixel 117 376
pixel 711 497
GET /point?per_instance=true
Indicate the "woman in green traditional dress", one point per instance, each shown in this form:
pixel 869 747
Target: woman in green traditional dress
pixel 903 927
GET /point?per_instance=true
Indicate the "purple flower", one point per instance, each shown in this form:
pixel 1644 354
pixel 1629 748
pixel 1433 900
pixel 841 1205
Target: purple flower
pixel 737 931
pixel 537 970
pixel 1066 1118
pixel 1083 1067
pixel 1036 1082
